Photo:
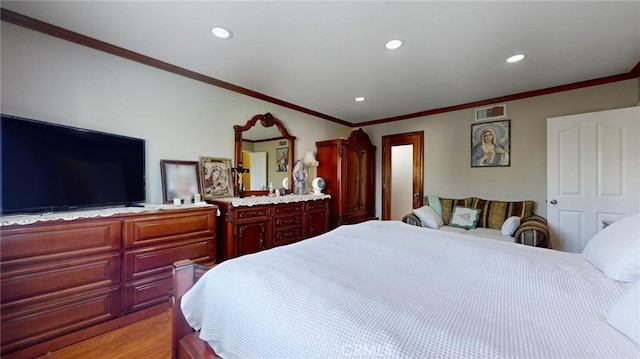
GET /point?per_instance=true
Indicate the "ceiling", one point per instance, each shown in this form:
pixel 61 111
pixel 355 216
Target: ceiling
pixel 320 55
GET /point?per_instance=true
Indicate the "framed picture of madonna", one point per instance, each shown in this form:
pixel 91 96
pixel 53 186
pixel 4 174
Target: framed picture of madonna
pixel 216 177
pixel 491 144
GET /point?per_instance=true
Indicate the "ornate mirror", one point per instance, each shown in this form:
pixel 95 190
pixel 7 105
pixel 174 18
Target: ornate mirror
pixel 264 150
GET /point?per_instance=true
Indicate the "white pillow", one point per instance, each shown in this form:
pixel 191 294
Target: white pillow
pixel 615 250
pixel 624 314
pixel 428 217
pixel 510 226
pixel 464 217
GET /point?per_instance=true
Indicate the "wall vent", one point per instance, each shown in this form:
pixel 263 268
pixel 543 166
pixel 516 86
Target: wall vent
pixel 489 113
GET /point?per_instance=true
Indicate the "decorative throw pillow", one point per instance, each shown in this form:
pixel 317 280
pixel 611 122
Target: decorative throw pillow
pixel 624 314
pixel 510 226
pixel 463 217
pixel 615 250
pixel 447 205
pixel 428 217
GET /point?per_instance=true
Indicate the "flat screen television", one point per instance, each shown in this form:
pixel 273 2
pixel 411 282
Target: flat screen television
pixel 48 167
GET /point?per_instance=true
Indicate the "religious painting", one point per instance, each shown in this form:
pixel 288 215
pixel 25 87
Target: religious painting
pixel 491 144
pixel 282 159
pixel 216 177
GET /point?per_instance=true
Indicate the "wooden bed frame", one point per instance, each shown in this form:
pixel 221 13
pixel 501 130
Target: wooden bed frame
pixel 185 341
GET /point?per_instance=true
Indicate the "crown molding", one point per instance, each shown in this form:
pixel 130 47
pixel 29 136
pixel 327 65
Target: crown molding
pixel 635 72
pixel 77 38
pixel 522 95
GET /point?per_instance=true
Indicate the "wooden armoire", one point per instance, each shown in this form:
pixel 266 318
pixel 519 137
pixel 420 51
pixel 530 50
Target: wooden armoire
pixel 348 168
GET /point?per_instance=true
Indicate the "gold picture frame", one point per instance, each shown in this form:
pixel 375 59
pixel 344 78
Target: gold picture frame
pixel 216 177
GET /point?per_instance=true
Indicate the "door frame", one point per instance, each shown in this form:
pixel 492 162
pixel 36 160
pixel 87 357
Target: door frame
pixel 410 138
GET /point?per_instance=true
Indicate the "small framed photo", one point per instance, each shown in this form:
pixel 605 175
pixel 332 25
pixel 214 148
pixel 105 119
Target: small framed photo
pixel 491 144
pixel 217 180
pixel 282 159
pixel 180 179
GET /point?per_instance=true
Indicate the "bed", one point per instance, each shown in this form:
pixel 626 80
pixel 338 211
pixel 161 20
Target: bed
pixel 386 289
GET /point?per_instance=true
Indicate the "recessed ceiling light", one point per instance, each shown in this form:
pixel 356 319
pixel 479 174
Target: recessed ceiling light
pixel 359 99
pixel 221 32
pixel 393 44
pixel 515 58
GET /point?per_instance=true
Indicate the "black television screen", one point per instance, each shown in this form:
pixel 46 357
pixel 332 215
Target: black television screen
pixel 49 167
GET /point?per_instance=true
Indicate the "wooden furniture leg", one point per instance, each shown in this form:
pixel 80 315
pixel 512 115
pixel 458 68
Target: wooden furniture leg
pixel 185 341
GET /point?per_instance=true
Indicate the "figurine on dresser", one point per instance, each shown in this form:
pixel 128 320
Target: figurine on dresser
pixel 300 178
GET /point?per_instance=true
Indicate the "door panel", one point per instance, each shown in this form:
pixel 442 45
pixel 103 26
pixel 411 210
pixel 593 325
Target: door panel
pixel 568 222
pixel 570 146
pixel 317 223
pixel 252 237
pixel 610 152
pixel 593 173
pixel 365 200
pixel 352 172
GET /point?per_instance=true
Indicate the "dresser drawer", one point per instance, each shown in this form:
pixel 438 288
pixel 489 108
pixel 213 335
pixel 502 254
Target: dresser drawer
pixel 158 259
pixel 157 229
pixel 56 241
pixel 86 272
pixel 147 292
pixel 287 221
pixel 288 208
pixel 35 323
pixel 318 205
pixel 252 213
pixel 287 236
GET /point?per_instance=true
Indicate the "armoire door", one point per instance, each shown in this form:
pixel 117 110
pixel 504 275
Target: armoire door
pixel 352 178
pixel 593 173
pixel 366 179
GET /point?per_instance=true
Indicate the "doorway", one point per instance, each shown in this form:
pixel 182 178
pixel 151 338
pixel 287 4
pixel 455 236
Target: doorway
pixel 402 174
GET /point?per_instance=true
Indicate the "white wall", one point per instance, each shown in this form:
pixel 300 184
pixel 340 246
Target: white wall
pixel 448 171
pixel 53 80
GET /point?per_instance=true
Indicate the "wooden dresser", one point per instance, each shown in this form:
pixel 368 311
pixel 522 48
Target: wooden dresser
pixel 253 224
pixel 348 168
pixel 64 281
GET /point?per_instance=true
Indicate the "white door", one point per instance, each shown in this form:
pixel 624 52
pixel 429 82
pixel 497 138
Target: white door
pixel 258 171
pixel 593 173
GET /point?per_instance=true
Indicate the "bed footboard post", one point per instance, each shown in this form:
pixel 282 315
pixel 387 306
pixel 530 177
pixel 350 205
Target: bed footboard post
pixel 183 272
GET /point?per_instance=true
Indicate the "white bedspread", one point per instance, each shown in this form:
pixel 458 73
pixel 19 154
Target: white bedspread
pixel 390 290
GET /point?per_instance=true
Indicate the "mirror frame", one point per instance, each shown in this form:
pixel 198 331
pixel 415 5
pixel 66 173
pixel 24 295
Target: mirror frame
pixel 266 120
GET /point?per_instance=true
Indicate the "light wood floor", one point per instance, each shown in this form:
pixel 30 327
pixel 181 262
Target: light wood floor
pixel 149 338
